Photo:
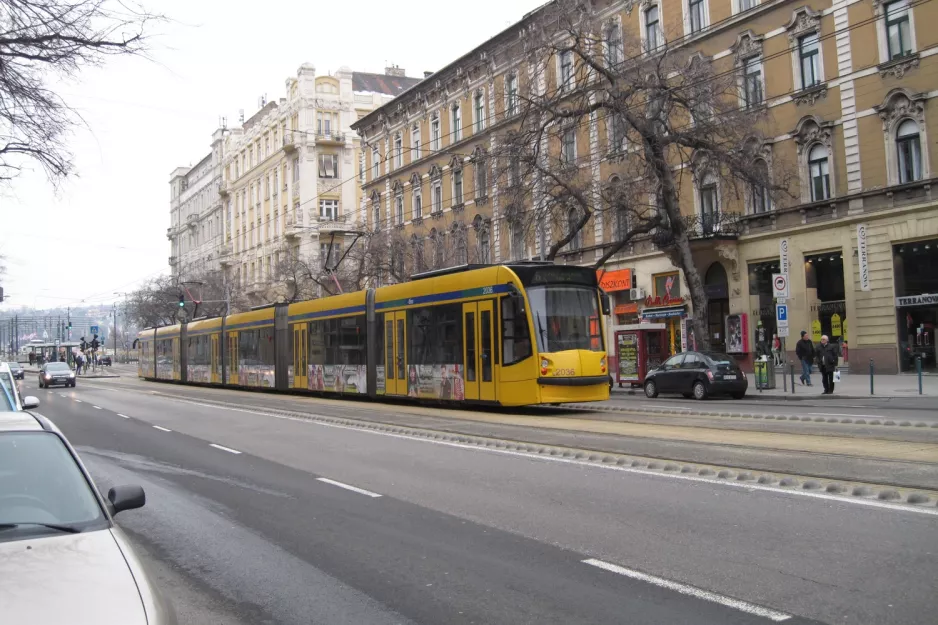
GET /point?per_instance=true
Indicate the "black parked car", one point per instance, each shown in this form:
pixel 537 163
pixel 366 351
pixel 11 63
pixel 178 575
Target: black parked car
pixel 698 375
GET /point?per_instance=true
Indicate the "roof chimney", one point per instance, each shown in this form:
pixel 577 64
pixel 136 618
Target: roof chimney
pixel 427 74
pixel 394 70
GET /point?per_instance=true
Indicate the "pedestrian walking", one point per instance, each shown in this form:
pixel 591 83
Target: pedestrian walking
pixel 827 363
pixel 804 351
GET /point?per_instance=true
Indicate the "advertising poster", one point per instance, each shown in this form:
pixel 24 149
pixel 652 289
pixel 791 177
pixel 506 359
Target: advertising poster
pixel 261 376
pixel 198 373
pixel 435 382
pixel 337 378
pixel 628 356
pixel 379 381
pixel 291 378
pixel 737 334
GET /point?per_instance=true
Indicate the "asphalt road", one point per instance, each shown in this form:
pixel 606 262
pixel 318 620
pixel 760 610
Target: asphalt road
pixel 468 535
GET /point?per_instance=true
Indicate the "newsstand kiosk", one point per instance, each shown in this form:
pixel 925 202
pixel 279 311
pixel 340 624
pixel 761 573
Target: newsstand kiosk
pixel 639 348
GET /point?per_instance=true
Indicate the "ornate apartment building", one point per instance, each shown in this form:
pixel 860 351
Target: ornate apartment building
pixel 847 90
pixel 281 183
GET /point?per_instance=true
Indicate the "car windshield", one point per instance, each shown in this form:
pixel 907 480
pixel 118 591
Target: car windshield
pixel 57 366
pixel 14 365
pixel 565 318
pixel 7 393
pixel 40 483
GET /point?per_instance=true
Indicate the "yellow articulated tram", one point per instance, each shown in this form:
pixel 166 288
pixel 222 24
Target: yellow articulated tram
pixel 511 335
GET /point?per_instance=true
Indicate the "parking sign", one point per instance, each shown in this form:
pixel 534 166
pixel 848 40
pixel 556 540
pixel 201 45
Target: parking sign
pixel 781 315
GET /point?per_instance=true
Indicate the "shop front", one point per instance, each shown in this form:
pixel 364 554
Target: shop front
pixel 762 306
pixel 916 284
pixel 826 298
pixel 618 284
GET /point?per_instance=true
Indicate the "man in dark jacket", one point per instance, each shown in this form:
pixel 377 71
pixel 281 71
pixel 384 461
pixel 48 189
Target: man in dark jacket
pixel 827 363
pixel 804 350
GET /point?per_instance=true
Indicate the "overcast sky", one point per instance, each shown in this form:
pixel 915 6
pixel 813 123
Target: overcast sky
pixel 105 231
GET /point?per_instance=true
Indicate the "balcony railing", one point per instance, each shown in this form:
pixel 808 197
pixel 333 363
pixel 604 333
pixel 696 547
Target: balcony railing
pixel 223 188
pixel 701 227
pixel 291 140
pixel 330 137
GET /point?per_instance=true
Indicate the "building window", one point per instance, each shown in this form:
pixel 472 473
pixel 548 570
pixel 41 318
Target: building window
pixel 398 151
pixel 481 177
pixel 898 32
pixel 809 60
pixel 375 164
pixel 415 142
pixel 511 94
pixel 460 245
pixel 652 29
pixel 436 196
pixel 399 208
pixel 614 48
pixel 514 168
pixel 709 205
pixel 329 209
pixel 573 227
pixel 696 15
pixel 296 170
pixel 819 173
pixel 617 134
pixel 752 82
pixel 566 70
pixel 435 132
pixel 376 212
pixel 516 238
pixel 480 111
pixel 328 166
pixel 418 203
pixel 759 201
pixel 456 118
pixel 909 149
pixel 457 187
pixel 568 147
pixel 416 246
pixel 745 5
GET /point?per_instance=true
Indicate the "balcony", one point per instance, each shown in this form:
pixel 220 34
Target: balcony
pixel 223 188
pixel 291 140
pixel 169 233
pixel 719 226
pixel 330 138
pixel 172 260
pixel 331 223
pixel 192 221
pixel 292 229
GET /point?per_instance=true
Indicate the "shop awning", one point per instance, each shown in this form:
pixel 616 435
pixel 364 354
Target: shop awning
pixel 664 311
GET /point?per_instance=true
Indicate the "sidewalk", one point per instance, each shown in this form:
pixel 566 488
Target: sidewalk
pixel 851 386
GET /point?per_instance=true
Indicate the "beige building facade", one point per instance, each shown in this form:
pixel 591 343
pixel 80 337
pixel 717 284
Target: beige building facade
pixel 848 88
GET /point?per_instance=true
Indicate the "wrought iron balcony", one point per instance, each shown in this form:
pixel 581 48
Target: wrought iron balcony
pixel 334 138
pixel 718 226
pixel 291 140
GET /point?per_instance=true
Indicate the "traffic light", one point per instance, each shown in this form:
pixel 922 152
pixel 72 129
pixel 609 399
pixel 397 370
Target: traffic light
pixel 83 345
pixel 69 325
pixel 94 343
pixel 182 300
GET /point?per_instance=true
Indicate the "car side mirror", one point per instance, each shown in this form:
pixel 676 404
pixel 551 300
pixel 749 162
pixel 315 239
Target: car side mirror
pixel 126 497
pixel 30 402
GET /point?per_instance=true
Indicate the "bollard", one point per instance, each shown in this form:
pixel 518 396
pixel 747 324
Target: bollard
pixel 792 367
pixel 871 376
pixel 918 368
pixel 784 382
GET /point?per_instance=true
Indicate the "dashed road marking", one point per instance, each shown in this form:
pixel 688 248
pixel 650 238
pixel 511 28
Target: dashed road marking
pixel 223 448
pixel 122 415
pixel 161 428
pixel 78 401
pixel 354 489
pixel 693 591
pixel 97 407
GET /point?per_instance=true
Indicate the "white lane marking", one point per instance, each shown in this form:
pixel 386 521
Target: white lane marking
pixel 122 415
pixel 78 400
pixel 839 414
pixel 62 395
pixel 228 449
pixel 161 429
pixel 97 407
pixel 693 591
pixel 859 501
pixel 354 489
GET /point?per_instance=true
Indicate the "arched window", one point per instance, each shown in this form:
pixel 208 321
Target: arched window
pixel 909 148
pixel 516 237
pixel 416 187
pixel 460 245
pixel 709 203
pixel 399 208
pixel 620 210
pixel 481 176
pixel 416 245
pixel 483 239
pixel 759 201
pixel 376 211
pixel 819 173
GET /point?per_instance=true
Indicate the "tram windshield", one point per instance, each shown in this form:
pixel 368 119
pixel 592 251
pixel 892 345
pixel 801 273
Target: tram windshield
pixel 565 318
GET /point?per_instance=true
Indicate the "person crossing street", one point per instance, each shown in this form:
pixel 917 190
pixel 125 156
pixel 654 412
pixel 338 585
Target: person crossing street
pixel 804 351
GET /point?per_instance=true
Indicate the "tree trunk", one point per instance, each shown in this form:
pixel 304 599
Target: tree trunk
pixel 681 256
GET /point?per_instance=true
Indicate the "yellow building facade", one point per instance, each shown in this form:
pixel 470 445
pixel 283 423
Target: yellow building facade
pixel 848 90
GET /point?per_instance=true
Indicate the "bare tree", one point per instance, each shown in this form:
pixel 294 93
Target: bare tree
pixel 204 294
pixel 43 42
pixel 666 121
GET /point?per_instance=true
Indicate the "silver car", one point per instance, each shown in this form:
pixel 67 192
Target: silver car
pixel 62 559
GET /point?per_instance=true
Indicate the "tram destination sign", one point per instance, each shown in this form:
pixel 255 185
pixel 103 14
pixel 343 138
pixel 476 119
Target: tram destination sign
pixel 926 299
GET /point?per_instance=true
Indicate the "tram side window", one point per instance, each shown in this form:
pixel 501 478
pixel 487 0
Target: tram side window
pixel 247 347
pixel 435 335
pixel 337 341
pixel 265 346
pixel 516 339
pixel 317 346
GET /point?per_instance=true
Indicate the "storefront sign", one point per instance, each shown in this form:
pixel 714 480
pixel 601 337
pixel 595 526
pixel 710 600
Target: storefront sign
pixel 926 299
pixel 611 281
pixel 683 334
pixel 667 300
pixel 816 330
pixel 864 258
pixel 661 313
pixel 836 327
pixel 626 309
pixel 783 256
